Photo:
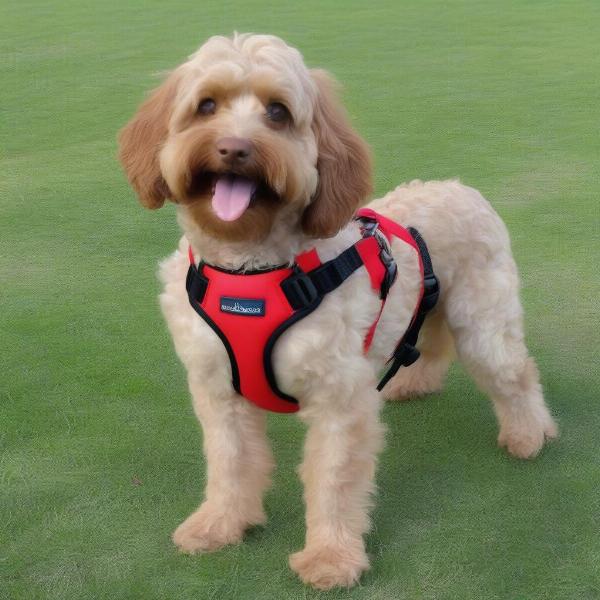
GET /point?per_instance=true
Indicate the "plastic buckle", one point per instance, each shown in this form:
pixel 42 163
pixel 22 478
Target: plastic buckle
pixel 299 290
pixel 370 228
pixel 431 292
pixel 407 354
pixel 368 225
pixel 391 272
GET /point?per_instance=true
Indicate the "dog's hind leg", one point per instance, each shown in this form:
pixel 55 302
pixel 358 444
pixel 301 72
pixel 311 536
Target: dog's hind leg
pixel 239 465
pixel 485 317
pixel 427 374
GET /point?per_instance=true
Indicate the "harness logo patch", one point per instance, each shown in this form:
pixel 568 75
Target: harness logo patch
pixel 243 306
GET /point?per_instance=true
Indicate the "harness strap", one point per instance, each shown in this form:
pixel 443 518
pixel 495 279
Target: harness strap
pixel 333 273
pixel 303 288
pixel 405 353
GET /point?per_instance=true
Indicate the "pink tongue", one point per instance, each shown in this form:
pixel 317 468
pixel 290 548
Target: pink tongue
pixel 232 196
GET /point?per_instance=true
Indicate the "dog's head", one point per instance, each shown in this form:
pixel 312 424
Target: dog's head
pixel 241 131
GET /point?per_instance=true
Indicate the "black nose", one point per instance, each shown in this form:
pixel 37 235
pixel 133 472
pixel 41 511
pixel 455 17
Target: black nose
pixel 234 149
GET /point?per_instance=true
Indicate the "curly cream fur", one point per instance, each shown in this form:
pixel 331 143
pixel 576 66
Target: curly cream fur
pixel 320 360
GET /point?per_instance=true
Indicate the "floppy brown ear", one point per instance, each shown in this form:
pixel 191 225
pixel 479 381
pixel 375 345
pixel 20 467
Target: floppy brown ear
pixel 140 142
pixel 343 163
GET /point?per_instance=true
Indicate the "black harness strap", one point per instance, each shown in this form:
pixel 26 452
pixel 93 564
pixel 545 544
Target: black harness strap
pixel 303 289
pixel 405 353
pixel 333 273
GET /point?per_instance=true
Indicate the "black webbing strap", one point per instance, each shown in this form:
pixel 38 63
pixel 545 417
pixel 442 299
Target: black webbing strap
pixel 405 353
pixel 304 289
pixel 196 283
pixel 334 272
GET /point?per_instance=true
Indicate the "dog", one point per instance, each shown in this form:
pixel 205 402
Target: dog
pixel 246 113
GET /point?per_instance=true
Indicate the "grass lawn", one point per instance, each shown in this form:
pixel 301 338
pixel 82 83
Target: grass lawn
pixel 100 452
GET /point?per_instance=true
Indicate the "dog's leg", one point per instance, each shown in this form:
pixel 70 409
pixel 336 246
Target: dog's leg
pixel 516 392
pixel 239 464
pixel 338 470
pixel 485 316
pixel 427 375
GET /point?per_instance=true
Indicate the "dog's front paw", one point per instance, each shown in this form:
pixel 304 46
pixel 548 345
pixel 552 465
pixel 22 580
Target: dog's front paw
pixel 526 439
pixel 325 567
pixel 208 529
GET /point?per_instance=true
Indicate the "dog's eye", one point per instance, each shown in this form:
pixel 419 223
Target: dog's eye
pixel 207 106
pixel 278 113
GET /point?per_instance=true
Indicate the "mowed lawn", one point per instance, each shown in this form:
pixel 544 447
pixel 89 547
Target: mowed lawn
pixel 100 451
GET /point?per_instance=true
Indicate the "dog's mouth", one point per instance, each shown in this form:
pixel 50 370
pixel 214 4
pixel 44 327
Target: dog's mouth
pixel 231 193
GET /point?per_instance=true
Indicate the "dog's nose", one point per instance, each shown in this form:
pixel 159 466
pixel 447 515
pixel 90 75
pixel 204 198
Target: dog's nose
pixel 234 149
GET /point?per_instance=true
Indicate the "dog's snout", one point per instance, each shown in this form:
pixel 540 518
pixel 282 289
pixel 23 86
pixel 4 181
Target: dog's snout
pixel 234 149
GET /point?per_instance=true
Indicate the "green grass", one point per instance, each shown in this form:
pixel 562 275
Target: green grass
pixel 502 94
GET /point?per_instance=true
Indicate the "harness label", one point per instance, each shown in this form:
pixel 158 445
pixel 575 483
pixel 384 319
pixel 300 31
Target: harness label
pixel 243 306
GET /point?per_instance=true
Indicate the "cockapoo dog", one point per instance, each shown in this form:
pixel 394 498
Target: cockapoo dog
pixel 246 109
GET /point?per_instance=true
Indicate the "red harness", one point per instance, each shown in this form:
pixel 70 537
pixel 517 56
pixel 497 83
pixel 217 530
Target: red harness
pixel 249 310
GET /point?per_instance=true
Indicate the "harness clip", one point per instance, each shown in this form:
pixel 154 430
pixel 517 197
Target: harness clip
pixel 299 290
pixel 391 272
pixel 431 292
pixel 370 228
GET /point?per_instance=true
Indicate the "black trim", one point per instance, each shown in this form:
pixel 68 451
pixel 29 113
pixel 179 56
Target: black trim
pixel 243 272
pixel 196 284
pixel 269 346
pixel 235 373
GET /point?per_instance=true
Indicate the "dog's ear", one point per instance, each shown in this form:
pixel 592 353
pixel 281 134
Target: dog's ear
pixel 343 164
pixel 140 142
